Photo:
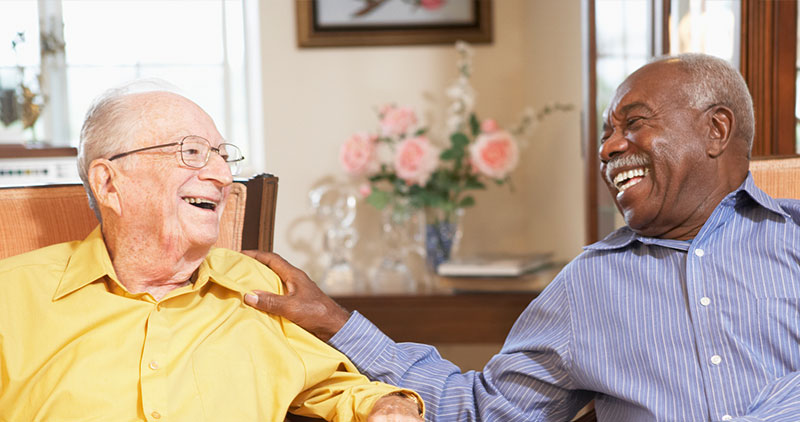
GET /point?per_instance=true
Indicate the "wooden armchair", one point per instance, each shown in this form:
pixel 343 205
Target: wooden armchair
pixel 36 216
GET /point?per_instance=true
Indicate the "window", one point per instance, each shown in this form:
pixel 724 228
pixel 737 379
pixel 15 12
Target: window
pixel 197 46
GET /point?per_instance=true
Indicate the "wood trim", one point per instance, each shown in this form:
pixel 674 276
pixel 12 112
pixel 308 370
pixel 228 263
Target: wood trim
pixel 443 318
pixel 259 224
pixel 768 56
pixel 36 151
pixel 589 122
pixel 308 35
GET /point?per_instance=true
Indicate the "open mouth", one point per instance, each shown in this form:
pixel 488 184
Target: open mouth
pixel 201 203
pixel 625 179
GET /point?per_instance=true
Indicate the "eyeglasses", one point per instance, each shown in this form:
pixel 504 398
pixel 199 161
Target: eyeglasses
pixel 195 152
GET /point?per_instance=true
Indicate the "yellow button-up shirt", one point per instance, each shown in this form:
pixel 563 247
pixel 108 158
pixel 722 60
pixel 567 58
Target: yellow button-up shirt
pixel 75 345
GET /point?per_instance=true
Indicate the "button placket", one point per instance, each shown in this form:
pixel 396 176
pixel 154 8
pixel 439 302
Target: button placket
pixel 153 382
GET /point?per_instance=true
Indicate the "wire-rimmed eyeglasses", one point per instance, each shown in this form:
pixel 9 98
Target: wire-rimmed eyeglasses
pixel 195 152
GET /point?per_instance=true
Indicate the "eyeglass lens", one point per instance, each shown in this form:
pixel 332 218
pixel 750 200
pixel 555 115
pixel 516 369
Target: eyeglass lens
pixel 195 153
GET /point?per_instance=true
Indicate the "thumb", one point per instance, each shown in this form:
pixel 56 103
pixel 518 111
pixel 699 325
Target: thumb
pixel 265 301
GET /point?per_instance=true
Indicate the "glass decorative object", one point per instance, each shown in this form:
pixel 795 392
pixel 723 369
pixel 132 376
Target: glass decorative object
pixel 335 205
pixel 443 231
pixel 392 275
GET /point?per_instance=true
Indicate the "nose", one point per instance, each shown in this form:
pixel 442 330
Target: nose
pixel 217 170
pixel 615 144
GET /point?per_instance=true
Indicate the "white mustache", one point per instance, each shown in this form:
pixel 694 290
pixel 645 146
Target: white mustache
pixel 635 160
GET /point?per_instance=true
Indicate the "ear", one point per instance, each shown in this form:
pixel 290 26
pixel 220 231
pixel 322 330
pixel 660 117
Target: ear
pixel 720 130
pixel 102 181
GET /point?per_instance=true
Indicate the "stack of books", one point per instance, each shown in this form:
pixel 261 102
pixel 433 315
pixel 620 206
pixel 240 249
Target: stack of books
pixel 497 273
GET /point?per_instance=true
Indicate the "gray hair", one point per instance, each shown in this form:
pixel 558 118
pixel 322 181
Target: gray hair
pixel 110 125
pixel 716 81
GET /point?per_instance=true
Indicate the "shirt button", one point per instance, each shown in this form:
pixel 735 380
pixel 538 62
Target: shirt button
pixel 716 359
pixel 727 417
pixel 153 365
pixel 705 301
pixel 699 252
pixel 155 415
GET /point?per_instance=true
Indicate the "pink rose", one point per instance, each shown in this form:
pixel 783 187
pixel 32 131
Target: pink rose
pixel 431 4
pixel 365 190
pixel 494 154
pixel 357 154
pixel 415 160
pixel 489 126
pixel 397 120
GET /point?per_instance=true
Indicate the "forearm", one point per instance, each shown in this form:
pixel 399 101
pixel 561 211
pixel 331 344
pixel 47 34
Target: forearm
pixel 408 365
pixel 449 395
pixel 779 401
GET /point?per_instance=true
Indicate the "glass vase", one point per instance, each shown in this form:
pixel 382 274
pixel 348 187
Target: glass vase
pixel 335 206
pixel 392 275
pixel 443 230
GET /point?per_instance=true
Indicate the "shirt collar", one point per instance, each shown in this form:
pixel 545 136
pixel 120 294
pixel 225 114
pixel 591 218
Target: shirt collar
pixel 206 273
pixel 90 262
pixel 748 190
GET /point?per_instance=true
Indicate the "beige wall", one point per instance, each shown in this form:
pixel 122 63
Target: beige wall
pixel 315 98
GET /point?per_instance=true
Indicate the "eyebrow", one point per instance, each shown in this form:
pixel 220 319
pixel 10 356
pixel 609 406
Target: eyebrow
pixel 625 110
pixel 632 106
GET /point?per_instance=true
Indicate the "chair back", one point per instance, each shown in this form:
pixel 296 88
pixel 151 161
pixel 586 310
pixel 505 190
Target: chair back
pixel 779 177
pixel 32 217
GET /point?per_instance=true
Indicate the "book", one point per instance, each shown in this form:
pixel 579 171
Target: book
pixel 493 265
pixel 533 281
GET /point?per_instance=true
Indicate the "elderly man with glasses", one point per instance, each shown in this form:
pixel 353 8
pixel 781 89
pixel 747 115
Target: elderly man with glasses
pixel 143 319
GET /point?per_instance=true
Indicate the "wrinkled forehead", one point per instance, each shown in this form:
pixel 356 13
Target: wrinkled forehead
pixel 167 117
pixel 652 86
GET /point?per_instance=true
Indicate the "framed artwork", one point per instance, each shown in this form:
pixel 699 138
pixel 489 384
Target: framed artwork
pixel 332 23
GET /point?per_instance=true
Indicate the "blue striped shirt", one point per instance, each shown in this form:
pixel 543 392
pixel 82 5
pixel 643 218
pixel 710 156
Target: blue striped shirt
pixel 652 329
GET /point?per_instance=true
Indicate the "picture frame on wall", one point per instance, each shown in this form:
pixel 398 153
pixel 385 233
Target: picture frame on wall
pixel 336 23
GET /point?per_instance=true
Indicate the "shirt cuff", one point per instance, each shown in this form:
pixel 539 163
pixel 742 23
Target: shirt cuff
pixel 361 341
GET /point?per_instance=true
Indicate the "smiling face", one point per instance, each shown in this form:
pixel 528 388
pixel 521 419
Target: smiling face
pixel 654 154
pixel 159 195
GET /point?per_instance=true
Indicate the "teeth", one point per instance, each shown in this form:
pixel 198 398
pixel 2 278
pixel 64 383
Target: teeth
pixel 199 201
pixel 628 175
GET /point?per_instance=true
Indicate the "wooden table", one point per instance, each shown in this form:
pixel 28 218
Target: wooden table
pixel 443 317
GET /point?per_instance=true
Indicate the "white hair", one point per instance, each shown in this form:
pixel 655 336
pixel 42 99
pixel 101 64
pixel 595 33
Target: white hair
pixel 110 126
pixel 716 81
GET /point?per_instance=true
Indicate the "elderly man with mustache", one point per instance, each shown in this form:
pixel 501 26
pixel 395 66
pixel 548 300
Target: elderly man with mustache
pixel 691 312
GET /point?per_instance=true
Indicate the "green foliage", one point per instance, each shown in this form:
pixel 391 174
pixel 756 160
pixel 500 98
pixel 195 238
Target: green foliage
pixel 474 124
pixel 379 199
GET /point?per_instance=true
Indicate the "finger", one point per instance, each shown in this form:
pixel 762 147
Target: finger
pixel 262 256
pixel 264 301
pixel 272 260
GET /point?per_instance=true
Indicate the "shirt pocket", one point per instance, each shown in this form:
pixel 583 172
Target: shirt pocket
pixel 779 333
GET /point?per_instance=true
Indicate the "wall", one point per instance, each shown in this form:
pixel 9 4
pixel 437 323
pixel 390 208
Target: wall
pixel 315 98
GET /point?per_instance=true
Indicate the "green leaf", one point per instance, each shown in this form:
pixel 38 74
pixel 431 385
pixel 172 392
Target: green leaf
pixel 474 124
pixel 459 140
pixel 378 199
pixel 448 155
pixel 420 131
pixel 467 201
pixel 473 183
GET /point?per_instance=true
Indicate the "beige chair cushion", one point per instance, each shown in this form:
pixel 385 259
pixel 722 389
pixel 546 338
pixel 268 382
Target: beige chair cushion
pixel 779 177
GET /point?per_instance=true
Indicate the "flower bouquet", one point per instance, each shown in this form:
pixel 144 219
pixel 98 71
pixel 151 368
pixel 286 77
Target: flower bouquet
pixel 407 170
